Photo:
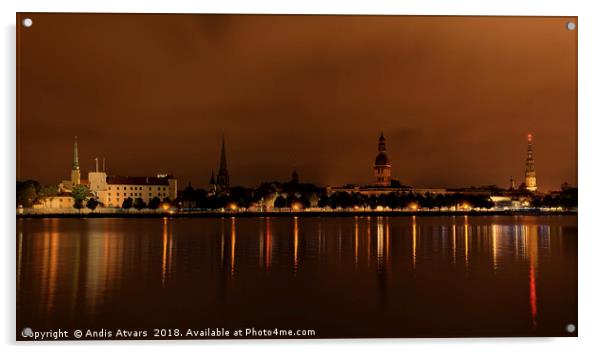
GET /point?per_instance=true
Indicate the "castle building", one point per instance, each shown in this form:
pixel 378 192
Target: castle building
pixel 530 179
pixel 382 165
pixel 111 191
pixel 223 178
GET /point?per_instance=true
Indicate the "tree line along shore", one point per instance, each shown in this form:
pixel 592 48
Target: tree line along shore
pixel 278 198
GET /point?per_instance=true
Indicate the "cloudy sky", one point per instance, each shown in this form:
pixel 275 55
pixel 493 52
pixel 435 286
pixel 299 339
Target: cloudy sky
pixel 454 96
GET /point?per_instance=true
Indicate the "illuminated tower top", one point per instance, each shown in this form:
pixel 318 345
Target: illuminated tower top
pixel 530 177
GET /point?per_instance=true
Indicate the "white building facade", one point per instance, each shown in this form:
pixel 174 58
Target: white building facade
pixel 112 191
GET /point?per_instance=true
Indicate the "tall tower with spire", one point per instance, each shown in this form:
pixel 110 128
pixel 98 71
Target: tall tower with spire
pixel 530 179
pixel 223 178
pixel 382 166
pixel 212 185
pixel 75 174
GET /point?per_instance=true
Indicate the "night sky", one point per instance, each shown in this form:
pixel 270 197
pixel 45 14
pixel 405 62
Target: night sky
pixel 454 96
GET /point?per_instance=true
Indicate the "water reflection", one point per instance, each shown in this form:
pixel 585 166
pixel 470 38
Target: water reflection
pixel 532 243
pixel 75 268
pixel 356 232
pixel 380 235
pixel 268 245
pixel 232 246
pixel 295 244
pixel 453 226
pixel 167 252
pixel 494 240
pixel 466 240
pixel 19 257
pixel 414 234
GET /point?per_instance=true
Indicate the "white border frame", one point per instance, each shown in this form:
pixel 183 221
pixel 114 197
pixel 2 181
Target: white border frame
pixel 590 109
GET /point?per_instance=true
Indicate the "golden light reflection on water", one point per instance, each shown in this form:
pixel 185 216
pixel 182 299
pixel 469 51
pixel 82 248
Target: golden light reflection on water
pixel 387 241
pixel 164 258
pixel 232 246
pixel 368 238
pixel 261 246
pixel 414 234
pixel 295 243
pixel 268 244
pixel 380 235
pixel 52 267
pixel 494 237
pixel 454 241
pixel 532 236
pixel 99 257
pixel 466 240
pixel 356 232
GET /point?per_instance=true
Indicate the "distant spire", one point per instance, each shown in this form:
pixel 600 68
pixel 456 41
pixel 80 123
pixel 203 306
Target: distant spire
pixel 382 165
pixel 381 142
pixel 530 165
pixel 75 165
pixel 212 181
pixel 75 175
pixel 223 178
pixel 530 176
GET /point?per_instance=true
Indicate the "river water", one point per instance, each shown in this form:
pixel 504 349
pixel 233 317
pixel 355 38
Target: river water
pixel 421 276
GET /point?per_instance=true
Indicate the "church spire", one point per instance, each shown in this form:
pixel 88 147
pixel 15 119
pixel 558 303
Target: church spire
pixel 75 175
pixel 75 165
pixel 223 179
pixel 382 165
pixel 381 143
pixel 530 177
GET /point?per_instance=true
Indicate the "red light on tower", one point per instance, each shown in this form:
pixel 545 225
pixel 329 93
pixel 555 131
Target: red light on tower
pixel 529 137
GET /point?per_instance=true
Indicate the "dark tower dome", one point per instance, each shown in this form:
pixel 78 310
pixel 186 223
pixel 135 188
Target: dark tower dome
pixel 382 165
pixel 381 159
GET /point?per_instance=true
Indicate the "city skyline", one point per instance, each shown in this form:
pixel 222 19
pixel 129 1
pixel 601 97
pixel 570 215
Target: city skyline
pixel 221 183
pixel 454 114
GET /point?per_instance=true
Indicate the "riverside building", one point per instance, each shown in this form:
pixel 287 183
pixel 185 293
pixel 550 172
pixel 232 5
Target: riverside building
pixel 112 191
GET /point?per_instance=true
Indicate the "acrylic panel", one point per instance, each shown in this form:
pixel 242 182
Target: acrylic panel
pixel 188 177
